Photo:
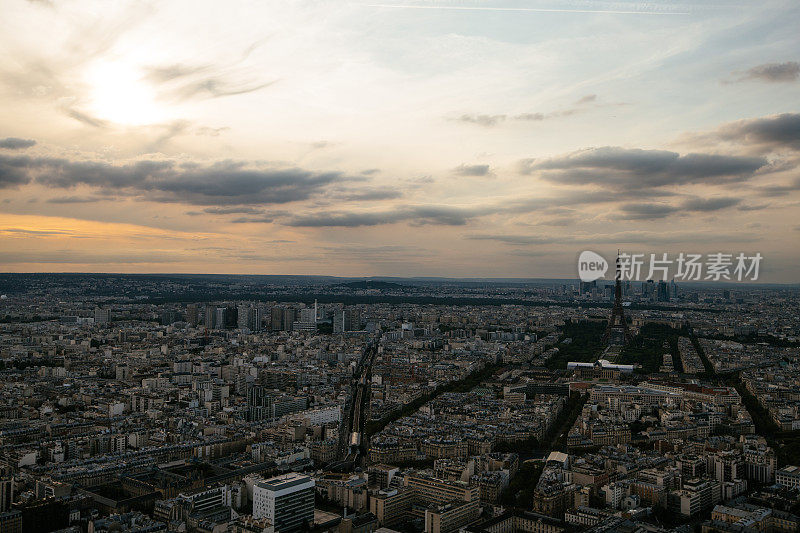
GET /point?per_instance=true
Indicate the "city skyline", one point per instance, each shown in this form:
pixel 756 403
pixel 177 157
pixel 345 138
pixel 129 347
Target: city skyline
pixel 411 139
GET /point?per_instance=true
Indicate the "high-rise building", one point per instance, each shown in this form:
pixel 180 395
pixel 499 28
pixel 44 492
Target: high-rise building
pixel 102 316
pixel 648 289
pixel 259 404
pixel 211 317
pixel 663 291
pixel 586 287
pixel 287 501
pixel 282 318
pixel 249 318
pixel 192 316
pixel 307 320
pixel 6 494
pixel 169 316
pixel 347 319
pixel 11 522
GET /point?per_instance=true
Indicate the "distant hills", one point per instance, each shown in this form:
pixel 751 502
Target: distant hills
pixel 371 284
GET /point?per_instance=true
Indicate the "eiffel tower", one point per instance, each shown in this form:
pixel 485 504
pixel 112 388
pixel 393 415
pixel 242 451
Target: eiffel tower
pixel 617 333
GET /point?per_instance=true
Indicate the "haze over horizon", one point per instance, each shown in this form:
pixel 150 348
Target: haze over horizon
pixel 454 139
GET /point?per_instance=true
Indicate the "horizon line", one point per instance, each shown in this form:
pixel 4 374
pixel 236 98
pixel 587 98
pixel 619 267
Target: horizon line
pixel 376 276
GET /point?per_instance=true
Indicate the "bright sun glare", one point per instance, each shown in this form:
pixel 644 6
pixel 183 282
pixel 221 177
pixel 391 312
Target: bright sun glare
pixel 119 94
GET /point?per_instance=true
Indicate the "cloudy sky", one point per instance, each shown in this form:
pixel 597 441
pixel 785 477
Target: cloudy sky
pixel 452 138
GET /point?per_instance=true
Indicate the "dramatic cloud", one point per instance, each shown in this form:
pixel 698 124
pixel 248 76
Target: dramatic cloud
pixel 780 190
pixel 472 170
pixel 253 220
pixel 232 210
pixel 773 72
pixel 73 200
pixel 13 143
pixel 770 132
pixel 623 237
pixel 419 215
pixel 710 204
pixel 13 171
pixel 365 194
pixel 513 239
pixel 622 168
pixel 218 184
pixel 646 211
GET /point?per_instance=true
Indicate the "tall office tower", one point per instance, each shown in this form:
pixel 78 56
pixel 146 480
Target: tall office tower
pixel 258 319
pixel 211 317
pixel 663 291
pixel 219 321
pixel 241 317
pixel 248 318
pixel 169 316
pixel 673 289
pixel 648 289
pixel 102 316
pixel 287 501
pixel 275 318
pixel 231 314
pixel 307 320
pixel 289 317
pixel 347 319
pixel 192 315
pixel 586 287
pixel 6 494
pixel 259 404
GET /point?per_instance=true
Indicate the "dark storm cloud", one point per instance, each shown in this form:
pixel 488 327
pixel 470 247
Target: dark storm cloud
pixel 253 220
pixel 244 210
pixel 14 143
pixel 219 184
pixel 646 211
pixel 627 237
pixel 623 168
pixel 780 190
pixel 514 239
pixel 772 132
pixel 773 72
pixel 710 204
pixel 13 171
pixel 472 170
pixel 365 194
pixel 73 200
pixel 417 215
pixel 651 211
